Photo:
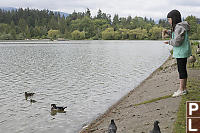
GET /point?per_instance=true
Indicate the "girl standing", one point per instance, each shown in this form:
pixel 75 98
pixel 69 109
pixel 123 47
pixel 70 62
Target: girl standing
pixel 181 47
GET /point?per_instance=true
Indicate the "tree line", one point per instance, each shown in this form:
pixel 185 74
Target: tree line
pixel 44 24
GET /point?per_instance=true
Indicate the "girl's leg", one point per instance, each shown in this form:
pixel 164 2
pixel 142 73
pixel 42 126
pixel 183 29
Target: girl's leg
pixel 182 69
pixel 183 84
pixel 181 63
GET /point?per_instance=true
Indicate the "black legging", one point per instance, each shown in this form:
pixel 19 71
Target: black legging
pixel 182 64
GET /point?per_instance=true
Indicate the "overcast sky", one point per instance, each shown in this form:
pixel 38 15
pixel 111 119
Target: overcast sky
pixel 150 8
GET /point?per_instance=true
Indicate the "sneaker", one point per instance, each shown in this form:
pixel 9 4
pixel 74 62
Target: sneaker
pixel 176 93
pixel 179 93
pixel 185 92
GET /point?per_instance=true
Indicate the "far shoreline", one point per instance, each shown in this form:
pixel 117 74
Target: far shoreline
pixel 49 40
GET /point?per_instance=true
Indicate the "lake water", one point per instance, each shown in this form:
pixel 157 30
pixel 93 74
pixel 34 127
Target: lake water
pixel 86 76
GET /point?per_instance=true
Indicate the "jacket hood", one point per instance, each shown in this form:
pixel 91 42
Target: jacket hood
pixel 185 25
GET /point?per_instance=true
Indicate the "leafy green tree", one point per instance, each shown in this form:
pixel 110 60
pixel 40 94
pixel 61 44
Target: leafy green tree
pixel 88 14
pixel 53 24
pixel 4 28
pixel 77 35
pixel 138 34
pixel 117 35
pixel 20 36
pixel 108 34
pixel 115 20
pixel 27 32
pixel 99 14
pixel 156 33
pixel 12 25
pixel 34 23
pixel 22 24
pixel 53 34
pixel 13 34
pixel 62 25
pixel 87 25
pixel 6 36
pixel 198 32
pixel 124 33
pixel 67 34
pixel 99 26
pixel 192 20
pixel 164 23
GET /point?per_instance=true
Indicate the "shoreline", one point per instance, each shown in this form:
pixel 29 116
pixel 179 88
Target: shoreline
pixel 29 40
pixel 118 111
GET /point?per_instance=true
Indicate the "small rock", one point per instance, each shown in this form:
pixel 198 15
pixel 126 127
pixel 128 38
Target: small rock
pixel 130 105
pixel 92 130
pixel 166 127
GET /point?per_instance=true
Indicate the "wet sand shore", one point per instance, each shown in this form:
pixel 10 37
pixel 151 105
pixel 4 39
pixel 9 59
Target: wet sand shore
pixel 139 119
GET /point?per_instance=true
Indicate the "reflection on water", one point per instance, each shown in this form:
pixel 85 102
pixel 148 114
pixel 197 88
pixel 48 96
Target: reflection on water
pixel 54 112
pixel 86 76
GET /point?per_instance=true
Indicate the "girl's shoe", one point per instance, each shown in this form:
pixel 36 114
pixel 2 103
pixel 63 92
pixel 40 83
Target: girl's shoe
pixel 179 93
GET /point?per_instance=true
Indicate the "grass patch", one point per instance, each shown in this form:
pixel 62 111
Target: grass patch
pixel 193 42
pixel 154 100
pixel 193 86
pixel 193 95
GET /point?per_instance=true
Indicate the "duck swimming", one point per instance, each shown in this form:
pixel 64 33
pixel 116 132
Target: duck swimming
pixel 56 108
pixel 32 101
pixel 29 94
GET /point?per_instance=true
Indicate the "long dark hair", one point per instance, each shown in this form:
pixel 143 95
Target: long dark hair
pixel 176 17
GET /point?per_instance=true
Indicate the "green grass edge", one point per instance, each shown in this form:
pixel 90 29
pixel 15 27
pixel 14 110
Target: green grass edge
pixel 193 86
pixel 153 100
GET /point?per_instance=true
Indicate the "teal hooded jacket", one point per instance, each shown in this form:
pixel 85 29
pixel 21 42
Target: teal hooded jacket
pixel 180 41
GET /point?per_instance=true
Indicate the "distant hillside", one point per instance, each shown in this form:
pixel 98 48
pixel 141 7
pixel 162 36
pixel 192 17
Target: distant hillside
pixel 13 8
pixel 62 13
pixel 8 8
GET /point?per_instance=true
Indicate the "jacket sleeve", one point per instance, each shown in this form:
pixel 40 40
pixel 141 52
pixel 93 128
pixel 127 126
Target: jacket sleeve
pixel 178 36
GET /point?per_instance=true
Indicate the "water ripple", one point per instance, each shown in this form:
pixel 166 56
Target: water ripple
pixel 85 76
